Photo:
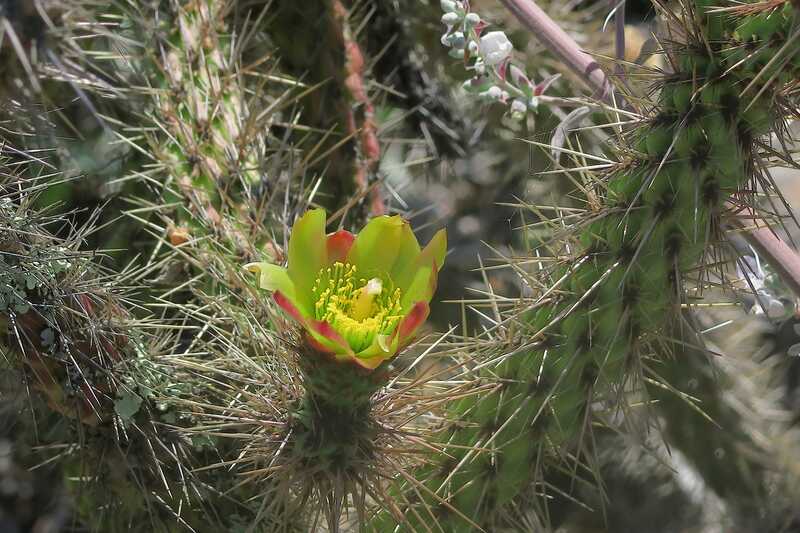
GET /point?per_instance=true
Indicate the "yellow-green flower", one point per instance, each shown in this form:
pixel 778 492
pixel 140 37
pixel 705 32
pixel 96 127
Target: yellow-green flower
pixel 358 297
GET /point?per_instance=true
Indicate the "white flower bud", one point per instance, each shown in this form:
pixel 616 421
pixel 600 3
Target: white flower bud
pixel 493 93
pixel 448 6
pixel 472 20
pixel 495 48
pixel 473 48
pixel 457 40
pixel 480 67
pixel 518 109
pixel 450 19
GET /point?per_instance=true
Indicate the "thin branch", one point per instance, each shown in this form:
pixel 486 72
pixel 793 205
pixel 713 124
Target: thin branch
pixel 365 132
pixel 778 254
pixel 560 44
pixel 619 32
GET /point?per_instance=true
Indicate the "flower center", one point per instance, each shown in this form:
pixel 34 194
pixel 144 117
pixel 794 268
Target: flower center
pixel 357 308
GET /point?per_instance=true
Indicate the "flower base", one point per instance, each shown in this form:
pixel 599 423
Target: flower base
pixel 332 430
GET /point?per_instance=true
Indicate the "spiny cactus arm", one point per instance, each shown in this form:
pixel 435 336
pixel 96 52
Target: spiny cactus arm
pixel 205 139
pixel 625 283
pixel 713 437
pixel 785 260
pixel 67 329
pixel 201 121
pixel 365 128
pixel 58 318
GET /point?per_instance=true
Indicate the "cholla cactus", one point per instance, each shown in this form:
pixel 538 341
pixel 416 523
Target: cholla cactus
pixel 608 304
pixel 289 427
pixel 70 338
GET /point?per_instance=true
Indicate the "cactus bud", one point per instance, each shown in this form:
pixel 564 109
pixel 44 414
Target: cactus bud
pixel 472 20
pixel 450 19
pixel 518 109
pixel 495 48
pixel 448 6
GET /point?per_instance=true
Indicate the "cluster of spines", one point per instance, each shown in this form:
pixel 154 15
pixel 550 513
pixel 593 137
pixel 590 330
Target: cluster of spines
pixel 70 337
pixel 626 284
pixel 657 225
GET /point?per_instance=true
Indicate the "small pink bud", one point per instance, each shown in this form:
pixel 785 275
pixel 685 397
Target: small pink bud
pixel 502 69
pixel 543 85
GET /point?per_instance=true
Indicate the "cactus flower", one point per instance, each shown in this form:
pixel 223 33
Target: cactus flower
pixel 362 297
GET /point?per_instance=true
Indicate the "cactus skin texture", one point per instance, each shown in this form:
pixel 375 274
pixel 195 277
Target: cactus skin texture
pixel 209 153
pixel 190 112
pixel 625 286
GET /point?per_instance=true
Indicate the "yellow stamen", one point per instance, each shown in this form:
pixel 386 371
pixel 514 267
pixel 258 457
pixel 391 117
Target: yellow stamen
pixel 358 309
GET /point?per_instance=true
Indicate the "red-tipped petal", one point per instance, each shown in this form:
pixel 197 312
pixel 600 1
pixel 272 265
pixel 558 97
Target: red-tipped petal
pixel 323 329
pixel 339 244
pixel 518 76
pixel 502 69
pixel 318 346
pixel 287 305
pixel 370 363
pixel 412 321
pixel 543 85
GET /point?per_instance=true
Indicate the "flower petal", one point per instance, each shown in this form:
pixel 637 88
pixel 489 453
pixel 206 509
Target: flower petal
pixel 371 363
pixel 435 251
pixel 376 246
pixel 319 346
pixel 307 254
pixel 432 257
pixel 339 244
pixel 272 278
pixel 408 327
pixel 382 349
pixel 402 271
pixel 289 306
pixel 381 346
pixel 329 337
pixel 420 290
